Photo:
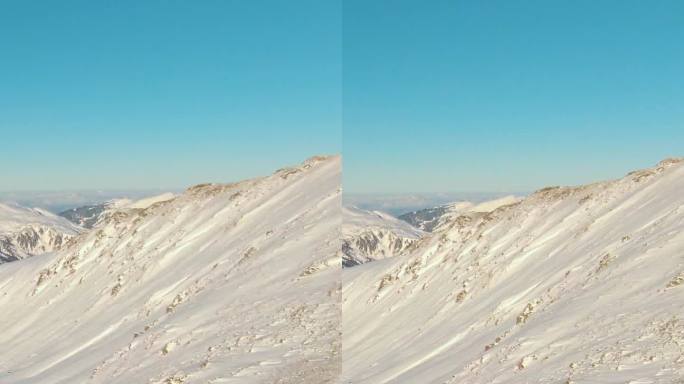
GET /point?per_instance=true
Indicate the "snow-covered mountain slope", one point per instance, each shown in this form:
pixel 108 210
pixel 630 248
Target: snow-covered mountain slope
pixel 431 219
pixel 373 235
pixel 222 284
pixel 570 285
pixel 90 216
pixel 26 232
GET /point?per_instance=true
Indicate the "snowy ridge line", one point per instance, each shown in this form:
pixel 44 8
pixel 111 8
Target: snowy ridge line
pixel 221 283
pixel 569 285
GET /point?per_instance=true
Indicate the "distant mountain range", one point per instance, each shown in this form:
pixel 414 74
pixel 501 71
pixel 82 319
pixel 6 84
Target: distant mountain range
pixel 26 232
pixel 369 236
pixel 59 201
pixel 430 219
pixel 89 216
pixel 86 216
pixel 397 204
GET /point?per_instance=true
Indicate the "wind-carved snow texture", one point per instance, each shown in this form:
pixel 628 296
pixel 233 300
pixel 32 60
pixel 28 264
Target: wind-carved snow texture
pixel 570 285
pixel 26 232
pixel 372 235
pixel 231 283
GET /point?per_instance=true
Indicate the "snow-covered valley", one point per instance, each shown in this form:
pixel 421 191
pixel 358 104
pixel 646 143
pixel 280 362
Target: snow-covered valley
pixel 235 283
pixel 570 285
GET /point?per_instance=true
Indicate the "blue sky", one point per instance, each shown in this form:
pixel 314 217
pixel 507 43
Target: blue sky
pixel 508 95
pixel 165 94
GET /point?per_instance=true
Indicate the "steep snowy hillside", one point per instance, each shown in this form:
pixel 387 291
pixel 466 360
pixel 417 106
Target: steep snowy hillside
pixel 570 285
pixel 26 232
pixel 372 235
pixel 230 283
pixel 431 219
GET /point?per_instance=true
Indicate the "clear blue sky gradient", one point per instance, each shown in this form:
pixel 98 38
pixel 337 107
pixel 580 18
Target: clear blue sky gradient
pixel 447 95
pixel 165 94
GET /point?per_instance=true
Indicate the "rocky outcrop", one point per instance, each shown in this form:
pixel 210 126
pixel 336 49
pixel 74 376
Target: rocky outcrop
pixel 26 232
pixel 372 235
